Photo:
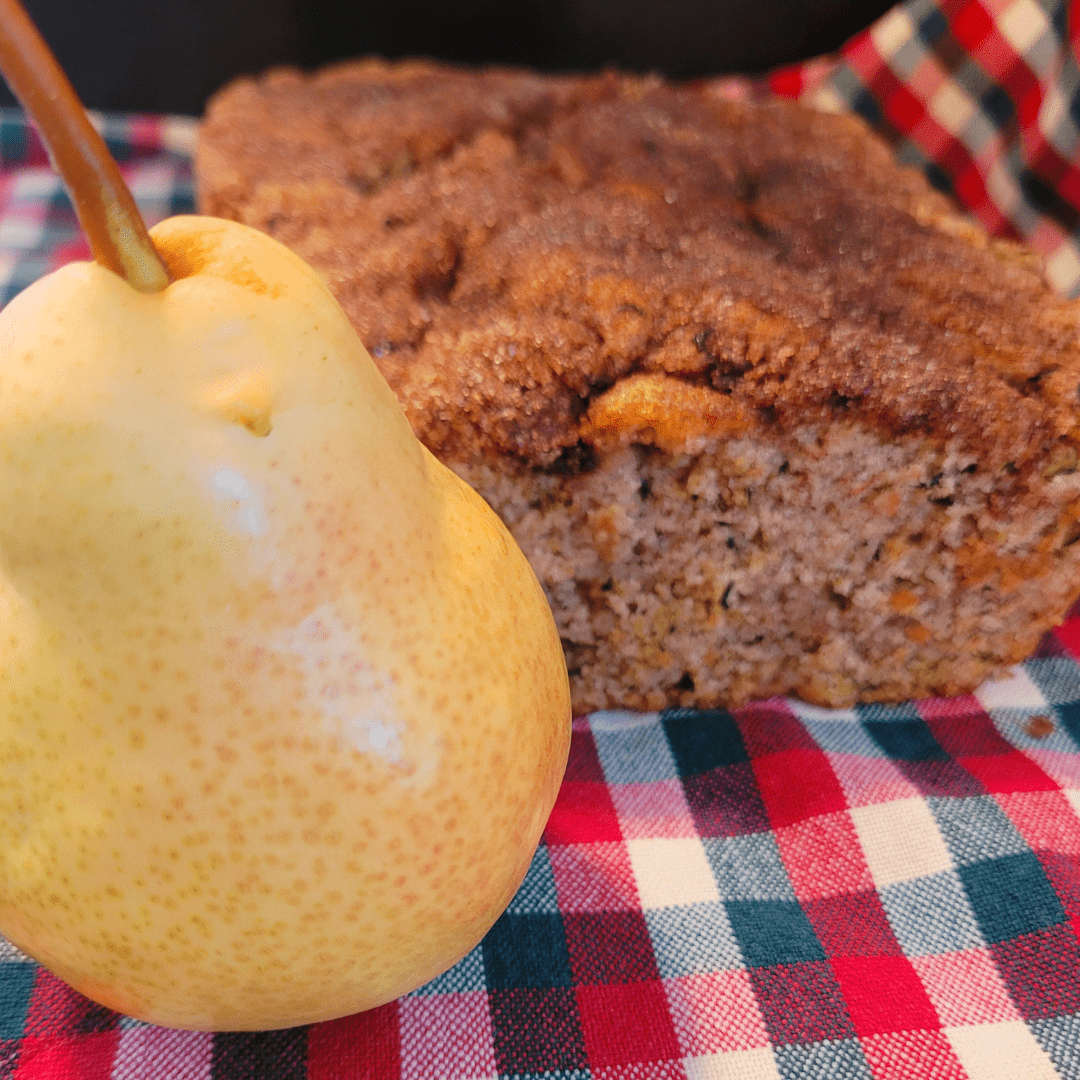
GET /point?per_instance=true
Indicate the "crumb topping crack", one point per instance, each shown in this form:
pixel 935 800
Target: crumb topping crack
pixel 541 264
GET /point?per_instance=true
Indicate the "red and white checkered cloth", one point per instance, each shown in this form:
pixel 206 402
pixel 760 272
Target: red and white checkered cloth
pixel 782 892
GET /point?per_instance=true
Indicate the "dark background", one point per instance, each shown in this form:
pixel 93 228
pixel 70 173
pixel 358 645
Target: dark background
pixel 169 55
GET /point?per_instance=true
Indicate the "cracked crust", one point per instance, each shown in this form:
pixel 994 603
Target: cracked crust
pixel 764 412
pixel 511 245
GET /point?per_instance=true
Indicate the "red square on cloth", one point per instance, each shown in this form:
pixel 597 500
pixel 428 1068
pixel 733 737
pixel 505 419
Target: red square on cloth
pixel 853 924
pixel 927 131
pixel 971 190
pixel 365 1046
pixel 1045 819
pixel 965 729
pixel 593 877
pixel 1069 185
pixel 971 24
pixel 883 993
pixel 904 1055
pixel 797 784
pixel 787 82
pixel 583 814
pixel 610 947
pixel 626 1023
pixel 1008 772
pixel 1069 636
pixel 89 1057
pixel 583 762
pixel 823 856
pixel 767 727
pixel 903 108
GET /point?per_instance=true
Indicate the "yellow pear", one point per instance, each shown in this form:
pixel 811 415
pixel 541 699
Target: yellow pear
pixel 283 710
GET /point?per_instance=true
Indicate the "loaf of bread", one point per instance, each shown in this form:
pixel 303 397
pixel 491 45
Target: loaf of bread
pixel 765 412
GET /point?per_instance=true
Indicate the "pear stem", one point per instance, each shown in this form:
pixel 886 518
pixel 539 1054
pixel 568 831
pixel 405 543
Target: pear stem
pixel 104 204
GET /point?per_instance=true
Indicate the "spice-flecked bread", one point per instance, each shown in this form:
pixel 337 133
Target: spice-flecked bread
pixel 765 413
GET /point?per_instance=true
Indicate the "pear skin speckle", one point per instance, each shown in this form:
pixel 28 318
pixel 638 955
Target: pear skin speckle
pixel 283 710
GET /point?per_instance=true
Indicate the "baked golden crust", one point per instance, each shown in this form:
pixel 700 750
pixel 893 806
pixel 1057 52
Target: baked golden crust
pixel 510 246
pixel 765 414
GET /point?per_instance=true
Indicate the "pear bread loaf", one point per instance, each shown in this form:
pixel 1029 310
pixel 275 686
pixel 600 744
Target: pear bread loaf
pixel 765 412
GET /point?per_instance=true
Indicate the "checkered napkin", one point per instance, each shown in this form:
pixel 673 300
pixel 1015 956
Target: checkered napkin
pixel 782 891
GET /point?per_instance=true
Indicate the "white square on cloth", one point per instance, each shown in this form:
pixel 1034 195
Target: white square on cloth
pixel 672 872
pixel 1006 1051
pixel 901 841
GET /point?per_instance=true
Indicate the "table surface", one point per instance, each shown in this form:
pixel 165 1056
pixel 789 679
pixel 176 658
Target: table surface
pixel 781 891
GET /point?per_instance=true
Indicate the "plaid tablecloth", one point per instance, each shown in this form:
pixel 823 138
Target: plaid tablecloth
pixel 782 891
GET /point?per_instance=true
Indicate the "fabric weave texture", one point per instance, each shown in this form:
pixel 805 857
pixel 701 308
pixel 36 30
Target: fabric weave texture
pixel 881 893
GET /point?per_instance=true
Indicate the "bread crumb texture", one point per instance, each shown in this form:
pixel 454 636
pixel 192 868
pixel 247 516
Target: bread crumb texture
pixel 766 414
